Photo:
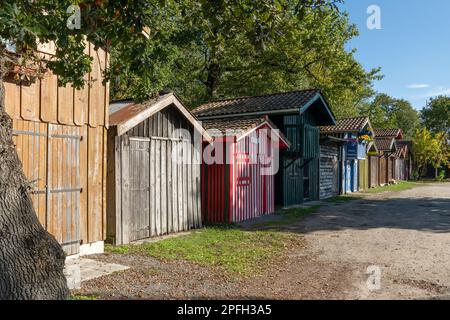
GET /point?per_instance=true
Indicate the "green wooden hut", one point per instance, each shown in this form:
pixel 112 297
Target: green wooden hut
pixel 298 114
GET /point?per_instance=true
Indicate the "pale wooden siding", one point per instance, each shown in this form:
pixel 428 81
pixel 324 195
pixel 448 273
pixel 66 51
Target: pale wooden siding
pixel 44 116
pixel 329 171
pixel 71 215
pixel 44 101
pixel 153 194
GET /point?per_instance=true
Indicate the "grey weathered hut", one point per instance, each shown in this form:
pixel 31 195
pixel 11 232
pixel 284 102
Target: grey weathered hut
pixel 150 191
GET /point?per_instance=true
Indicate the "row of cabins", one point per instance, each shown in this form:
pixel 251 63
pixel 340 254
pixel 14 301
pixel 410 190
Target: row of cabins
pixel 355 157
pixel 127 171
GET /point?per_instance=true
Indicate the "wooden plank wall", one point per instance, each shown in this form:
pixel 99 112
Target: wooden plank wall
pixel 173 192
pixel 43 108
pixel 373 171
pixel 44 101
pixel 87 173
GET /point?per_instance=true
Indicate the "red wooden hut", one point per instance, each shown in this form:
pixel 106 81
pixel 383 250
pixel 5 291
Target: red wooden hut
pixel 239 167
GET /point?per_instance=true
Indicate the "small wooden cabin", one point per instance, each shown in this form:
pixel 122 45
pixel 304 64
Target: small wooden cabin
pixel 388 157
pixel 153 169
pixel 386 151
pixel 358 136
pixel 239 167
pixel 60 137
pixel 405 160
pixel 298 114
pixel 332 155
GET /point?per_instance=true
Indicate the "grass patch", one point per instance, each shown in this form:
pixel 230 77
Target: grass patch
pixel 343 199
pixel 236 251
pixel 83 297
pixel 402 185
pixel 113 249
pixel 287 217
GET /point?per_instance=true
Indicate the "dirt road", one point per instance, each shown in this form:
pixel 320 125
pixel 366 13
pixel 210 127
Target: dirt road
pixel 405 236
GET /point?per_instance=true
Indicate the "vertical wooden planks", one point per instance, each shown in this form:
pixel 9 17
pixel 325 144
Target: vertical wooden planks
pixel 12 99
pixel 115 223
pixel 158 177
pixel 83 180
pixel 81 100
pixel 104 191
pixel 163 187
pixel 175 195
pixel 153 190
pixel 95 184
pixel 65 104
pixel 125 153
pixel 49 98
pixel 42 184
pixel 97 90
pixel 30 99
pixel 170 198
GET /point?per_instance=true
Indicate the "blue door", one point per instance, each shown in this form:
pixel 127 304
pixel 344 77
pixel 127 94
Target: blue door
pixel 348 176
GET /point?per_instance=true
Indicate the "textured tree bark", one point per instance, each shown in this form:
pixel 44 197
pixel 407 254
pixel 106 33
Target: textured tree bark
pixel 31 260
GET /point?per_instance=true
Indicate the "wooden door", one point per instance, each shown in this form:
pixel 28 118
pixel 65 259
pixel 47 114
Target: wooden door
pixel 243 208
pixel 293 181
pixel 373 172
pixel 139 189
pixel 64 186
pixel 50 156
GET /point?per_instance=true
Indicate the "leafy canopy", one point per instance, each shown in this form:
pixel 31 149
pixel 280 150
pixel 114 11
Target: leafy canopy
pixel 436 115
pixel 229 48
pixel 430 149
pixel 386 112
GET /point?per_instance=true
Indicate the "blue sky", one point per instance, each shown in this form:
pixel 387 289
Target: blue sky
pixel 412 48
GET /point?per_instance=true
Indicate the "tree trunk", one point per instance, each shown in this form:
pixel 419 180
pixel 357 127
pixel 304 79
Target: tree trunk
pixel 31 260
pixel 212 82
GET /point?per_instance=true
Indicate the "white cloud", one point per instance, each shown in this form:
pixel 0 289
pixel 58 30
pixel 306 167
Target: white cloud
pixel 438 91
pixel 418 86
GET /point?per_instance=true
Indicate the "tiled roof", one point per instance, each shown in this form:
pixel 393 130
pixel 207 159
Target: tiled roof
pixel 384 144
pixel 232 126
pixel 238 126
pixel 264 103
pixel 346 125
pixel 402 143
pixel 388 133
pixel 402 147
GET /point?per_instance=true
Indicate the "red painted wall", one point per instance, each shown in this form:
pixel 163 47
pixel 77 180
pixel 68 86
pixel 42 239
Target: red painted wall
pixel 237 191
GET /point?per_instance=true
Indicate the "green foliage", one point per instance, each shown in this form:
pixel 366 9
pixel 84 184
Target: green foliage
pixel 84 297
pixel 287 217
pixel 202 49
pixel 402 185
pixel 430 149
pixel 236 251
pixel 436 115
pixel 386 112
pixel 232 48
pixel 441 176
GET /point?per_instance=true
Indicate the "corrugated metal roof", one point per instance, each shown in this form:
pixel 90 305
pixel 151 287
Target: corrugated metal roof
pixel 127 114
pixel 117 105
pixel 346 125
pixel 122 111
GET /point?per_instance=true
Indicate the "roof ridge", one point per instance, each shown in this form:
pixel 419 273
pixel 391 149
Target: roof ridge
pixel 358 117
pixel 260 96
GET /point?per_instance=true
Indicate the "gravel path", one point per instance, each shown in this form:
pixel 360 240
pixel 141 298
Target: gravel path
pixel 405 234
